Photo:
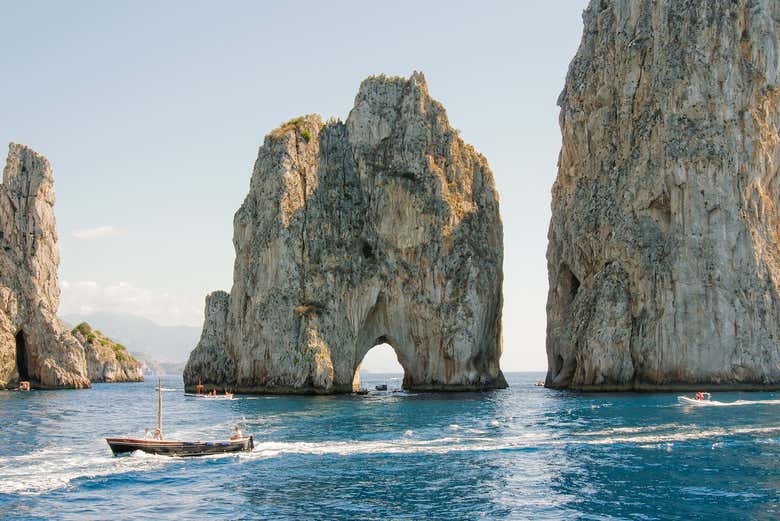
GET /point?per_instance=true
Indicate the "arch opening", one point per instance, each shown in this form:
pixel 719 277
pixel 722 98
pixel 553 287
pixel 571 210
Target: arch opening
pixel 21 357
pixel 379 367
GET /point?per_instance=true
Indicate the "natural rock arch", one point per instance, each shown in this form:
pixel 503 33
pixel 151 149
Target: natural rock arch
pixel 385 226
pixel 361 357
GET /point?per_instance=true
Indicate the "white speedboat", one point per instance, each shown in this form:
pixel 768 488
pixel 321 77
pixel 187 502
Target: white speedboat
pixel 699 399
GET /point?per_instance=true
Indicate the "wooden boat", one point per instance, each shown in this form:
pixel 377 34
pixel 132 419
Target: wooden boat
pixel 226 396
pixel 177 448
pixel 180 448
pixel 200 394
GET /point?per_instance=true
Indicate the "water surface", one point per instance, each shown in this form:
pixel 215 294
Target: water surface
pixel 524 452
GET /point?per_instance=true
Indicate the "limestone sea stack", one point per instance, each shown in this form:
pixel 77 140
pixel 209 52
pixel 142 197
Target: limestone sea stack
pixel 663 256
pixel 107 361
pixel 381 229
pixel 34 344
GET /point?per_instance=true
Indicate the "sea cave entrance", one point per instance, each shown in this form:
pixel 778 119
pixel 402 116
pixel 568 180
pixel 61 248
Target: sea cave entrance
pixel 21 357
pixel 379 367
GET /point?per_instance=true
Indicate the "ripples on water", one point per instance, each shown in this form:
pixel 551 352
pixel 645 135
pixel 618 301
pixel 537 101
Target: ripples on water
pixel 525 452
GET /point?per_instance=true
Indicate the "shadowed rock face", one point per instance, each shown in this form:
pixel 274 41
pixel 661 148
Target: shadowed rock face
pixel 34 344
pixel 209 363
pixel 663 256
pixel 381 229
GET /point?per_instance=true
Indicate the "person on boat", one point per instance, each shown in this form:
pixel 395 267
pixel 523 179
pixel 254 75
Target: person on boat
pixel 147 434
pixel 157 434
pixel 237 434
pixel 699 396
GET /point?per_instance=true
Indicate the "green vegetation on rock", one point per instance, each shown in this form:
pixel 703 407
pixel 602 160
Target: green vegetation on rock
pixel 95 338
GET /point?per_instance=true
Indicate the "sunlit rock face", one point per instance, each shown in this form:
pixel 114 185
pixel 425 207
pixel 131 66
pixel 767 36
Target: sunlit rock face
pixel 663 253
pixel 34 344
pixel 384 228
pixel 107 360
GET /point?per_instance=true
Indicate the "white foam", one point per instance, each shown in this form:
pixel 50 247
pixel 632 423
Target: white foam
pixel 633 430
pixel 696 434
pixel 45 470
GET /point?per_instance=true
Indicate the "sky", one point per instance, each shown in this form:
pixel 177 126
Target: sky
pixel 151 114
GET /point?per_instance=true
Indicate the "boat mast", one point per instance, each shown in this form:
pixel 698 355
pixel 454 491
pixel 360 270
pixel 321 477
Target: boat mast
pixel 159 407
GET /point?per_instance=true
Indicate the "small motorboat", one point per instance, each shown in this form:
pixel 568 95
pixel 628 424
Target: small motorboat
pixel 163 447
pixel 381 387
pixel 699 399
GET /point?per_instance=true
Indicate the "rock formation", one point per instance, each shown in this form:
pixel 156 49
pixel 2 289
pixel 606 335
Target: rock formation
pixel 34 344
pixel 663 257
pixel 382 229
pixel 209 364
pixel 107 361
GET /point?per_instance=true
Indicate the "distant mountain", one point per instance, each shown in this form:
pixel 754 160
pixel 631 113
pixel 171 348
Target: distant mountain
pixel 164 344
pixel 152 367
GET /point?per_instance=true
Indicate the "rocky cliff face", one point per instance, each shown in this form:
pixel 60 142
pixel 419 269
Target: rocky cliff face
pixel 382 229
pixel 107 361
pixel 34 345
pixel 663 256
pixel 209 363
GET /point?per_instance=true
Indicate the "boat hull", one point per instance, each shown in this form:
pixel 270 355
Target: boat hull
pixel 692 401
pixel 179 448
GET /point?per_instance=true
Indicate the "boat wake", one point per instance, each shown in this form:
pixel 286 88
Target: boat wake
pixel 48 469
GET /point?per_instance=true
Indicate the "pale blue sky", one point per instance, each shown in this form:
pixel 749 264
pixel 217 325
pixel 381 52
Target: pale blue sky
pixel 151 114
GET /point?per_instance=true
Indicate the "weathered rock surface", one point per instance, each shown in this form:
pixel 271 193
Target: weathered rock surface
pixel 107 361
pixel 209 363
pixel 384 228
pixel 663 256
pixel 34 344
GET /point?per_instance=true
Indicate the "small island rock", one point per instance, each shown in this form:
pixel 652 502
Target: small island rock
pixel 381 229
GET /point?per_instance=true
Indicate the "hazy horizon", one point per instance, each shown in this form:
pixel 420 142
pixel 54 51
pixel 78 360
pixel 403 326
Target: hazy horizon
pixel 152 115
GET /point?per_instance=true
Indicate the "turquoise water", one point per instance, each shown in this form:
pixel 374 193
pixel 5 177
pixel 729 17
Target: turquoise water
pixel 524 452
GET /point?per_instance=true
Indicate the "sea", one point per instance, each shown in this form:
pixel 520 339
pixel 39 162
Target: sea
pixel 522 453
